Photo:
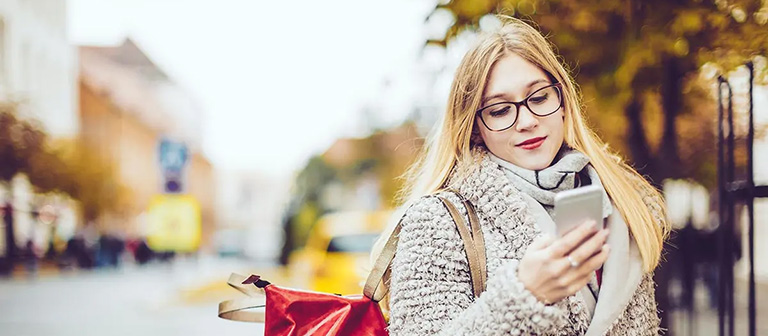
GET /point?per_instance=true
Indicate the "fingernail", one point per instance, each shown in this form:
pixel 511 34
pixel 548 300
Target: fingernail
pixel 606 247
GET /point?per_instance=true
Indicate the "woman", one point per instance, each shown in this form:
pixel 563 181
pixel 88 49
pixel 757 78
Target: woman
pixel 512 136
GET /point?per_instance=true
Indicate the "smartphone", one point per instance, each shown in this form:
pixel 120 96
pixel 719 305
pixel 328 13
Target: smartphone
pixel 574 207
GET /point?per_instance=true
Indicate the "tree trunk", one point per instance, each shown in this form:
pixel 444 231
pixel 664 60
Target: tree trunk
pixel 642 158
pixel 11 251
pixel 671 104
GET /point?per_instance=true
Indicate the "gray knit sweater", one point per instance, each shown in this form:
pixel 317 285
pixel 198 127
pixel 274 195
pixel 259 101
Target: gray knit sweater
pixel 430 290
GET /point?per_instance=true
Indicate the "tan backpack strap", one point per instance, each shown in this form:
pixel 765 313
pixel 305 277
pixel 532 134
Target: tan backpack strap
pixel 477 234
pixel 372 289
pixel 236 309
pixel 478 284
pixel 477 238
pixel 474 244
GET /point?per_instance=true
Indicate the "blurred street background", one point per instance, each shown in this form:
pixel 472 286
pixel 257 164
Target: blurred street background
pixel 148 148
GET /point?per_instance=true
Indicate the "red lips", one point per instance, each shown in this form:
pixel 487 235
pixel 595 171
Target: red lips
pixel 532 143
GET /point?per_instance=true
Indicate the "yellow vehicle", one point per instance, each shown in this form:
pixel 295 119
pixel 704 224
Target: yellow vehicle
pixel 336 256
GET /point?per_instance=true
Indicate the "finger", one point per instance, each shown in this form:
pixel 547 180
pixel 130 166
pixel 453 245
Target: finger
pixel 569 287
pixel 578 284
pixel 573 274
pixel 573 282
pixel 595 261
pixel 541 243
pixel 572 239
pixel 590 247
pixel 559 267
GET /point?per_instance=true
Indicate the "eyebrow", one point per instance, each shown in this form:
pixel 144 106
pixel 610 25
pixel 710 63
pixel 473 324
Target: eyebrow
pixel 499 95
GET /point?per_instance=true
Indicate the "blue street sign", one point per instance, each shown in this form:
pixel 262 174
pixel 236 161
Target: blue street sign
pixel 173 156
pixel 173 159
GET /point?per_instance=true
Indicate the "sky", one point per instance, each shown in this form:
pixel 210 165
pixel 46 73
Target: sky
pixel 277 80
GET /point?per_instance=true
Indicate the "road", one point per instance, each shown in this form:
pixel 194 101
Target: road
pixel 181 298
pixel 159 299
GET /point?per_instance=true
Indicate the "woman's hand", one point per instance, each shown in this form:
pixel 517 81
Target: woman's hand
pixel 554 269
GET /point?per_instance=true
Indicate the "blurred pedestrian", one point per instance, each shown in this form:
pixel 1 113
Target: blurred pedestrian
pixel 143 253
pixel 30 259
pixel 512 136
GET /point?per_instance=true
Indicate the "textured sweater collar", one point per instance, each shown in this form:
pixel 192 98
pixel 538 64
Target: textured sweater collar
pixel 564 174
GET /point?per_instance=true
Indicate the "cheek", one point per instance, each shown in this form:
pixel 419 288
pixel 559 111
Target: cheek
pixel 499 143
pixel 491 139
pixel 561 126
pixel 556 126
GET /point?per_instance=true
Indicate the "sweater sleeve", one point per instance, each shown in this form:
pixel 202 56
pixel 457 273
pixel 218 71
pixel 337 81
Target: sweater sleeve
pixel 431 292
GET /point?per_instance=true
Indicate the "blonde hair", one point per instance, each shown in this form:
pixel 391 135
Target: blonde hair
pixel 450 144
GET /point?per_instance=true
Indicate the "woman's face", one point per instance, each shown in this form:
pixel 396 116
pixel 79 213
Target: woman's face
pixel 532 141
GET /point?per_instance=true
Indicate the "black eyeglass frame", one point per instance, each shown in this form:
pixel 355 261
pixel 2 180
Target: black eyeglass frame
pixel 558 86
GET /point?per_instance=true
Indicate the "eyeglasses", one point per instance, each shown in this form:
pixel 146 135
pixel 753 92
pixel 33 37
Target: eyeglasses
pixel 542 102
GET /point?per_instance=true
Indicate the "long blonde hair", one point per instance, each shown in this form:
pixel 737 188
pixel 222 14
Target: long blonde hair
pixel 450 144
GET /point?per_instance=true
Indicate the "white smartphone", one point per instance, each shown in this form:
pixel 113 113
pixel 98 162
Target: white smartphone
pixel 574 207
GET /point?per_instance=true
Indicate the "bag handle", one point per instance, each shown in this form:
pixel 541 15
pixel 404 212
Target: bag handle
pixel 474 246
pixel 475 272
pixel 236 309
pixel 372 290
pixel 477 235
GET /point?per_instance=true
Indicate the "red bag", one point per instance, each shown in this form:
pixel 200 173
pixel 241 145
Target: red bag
pixel 293 312
pixel 298 312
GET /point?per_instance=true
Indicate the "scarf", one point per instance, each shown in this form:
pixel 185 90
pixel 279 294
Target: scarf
pixel 571 169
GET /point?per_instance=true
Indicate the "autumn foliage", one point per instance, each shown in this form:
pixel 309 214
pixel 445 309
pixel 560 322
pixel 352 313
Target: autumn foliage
pixel 639 64
pixel 64 166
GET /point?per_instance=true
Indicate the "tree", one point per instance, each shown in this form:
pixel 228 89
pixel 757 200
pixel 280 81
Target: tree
pixel 87 176
pixel 642 58
pixel 384 154
pixel 69 167
pixel 19 142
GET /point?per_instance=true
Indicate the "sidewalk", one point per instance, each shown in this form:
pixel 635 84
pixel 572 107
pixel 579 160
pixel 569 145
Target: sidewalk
pixel 215 288
pixel 704 320
pixel 131 300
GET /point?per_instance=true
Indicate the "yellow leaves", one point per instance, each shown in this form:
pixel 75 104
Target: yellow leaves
pixel 470 9
pixel 688 21
pixel 64 165
pixel 640 54
pixel 739 14
pixel 526 7
pixel 508 7
pixel 585 20
pixel 761 16
pixel 680 47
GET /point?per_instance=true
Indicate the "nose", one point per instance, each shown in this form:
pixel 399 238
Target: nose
pixel 526 120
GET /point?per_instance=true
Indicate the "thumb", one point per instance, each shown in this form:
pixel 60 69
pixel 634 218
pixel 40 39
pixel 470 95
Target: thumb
pixel 541 242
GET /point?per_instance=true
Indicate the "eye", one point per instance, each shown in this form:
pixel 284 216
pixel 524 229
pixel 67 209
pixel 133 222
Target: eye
pixel 499 112
pixel 539 98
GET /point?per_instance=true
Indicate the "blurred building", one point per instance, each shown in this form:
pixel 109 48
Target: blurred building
pixel 250 208
pixel 37 71
pixel 37 63
pixel 127 105
pixel 369 168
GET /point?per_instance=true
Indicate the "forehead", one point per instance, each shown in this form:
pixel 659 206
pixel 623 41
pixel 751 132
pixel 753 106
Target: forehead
pixel 511 76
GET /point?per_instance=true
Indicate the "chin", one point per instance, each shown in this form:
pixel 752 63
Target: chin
pixel 537 165
pixel 536 161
